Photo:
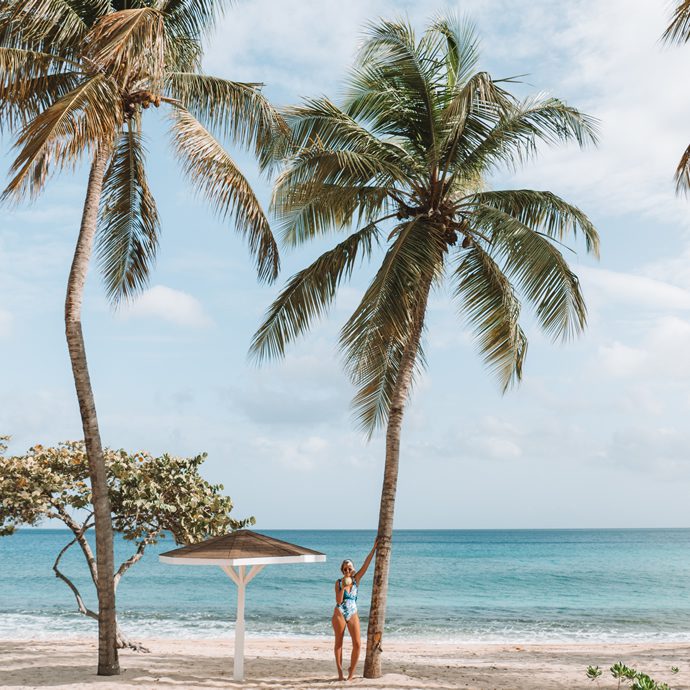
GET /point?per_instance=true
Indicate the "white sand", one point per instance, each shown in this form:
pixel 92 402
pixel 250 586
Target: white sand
pixel 308 663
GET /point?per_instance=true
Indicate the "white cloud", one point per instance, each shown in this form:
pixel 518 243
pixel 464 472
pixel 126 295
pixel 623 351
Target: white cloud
pixel 661 449
pixel 611 287
pixel 301 455
pixel 174 306
pixel 675 269
pixel 618 76
pixel 489 438
pixel 660 358
pixel 669 343
pixel 55 214
pixel 39 416
pixel 620 360
pixel 498 448
pixel 6 322
pixel 302 49
pixel 307 388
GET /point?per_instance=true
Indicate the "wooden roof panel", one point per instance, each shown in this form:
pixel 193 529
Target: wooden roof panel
pixel 243 543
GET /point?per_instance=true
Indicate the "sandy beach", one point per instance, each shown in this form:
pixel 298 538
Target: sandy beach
pixel 307 663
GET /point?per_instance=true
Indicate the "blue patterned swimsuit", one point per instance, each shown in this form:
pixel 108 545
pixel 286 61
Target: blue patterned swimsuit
pixel 349 606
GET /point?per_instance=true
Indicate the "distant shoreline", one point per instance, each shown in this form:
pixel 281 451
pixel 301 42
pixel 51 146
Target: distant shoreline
pixel 424 529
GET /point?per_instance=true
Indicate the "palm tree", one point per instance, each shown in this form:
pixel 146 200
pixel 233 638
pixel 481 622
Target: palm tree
pixel 678 31
pixel 76 80
pixel 405 161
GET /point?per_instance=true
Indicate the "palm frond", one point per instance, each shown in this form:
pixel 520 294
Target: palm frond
pixel 346 168
pixel 213 173
pixel 309 293
pixel 182 53
pixel 310 209
pixel 543 211
pixel 192 18
pixel 322 124
pixel 488 302
pixel 539 270
pixel 682 176
pixel 128 223
pixel 514 138
pixel 385 109
pixel 372 401
pixel 31 81
pixel 42 25
pixel 374 337
pixel 678 31
pixel 461 48
pixel 235 109
pixel 130 45
pixel 393 82
pixel 472 111
pixel 81 120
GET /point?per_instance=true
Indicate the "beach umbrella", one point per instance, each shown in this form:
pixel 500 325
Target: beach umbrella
pixel 241 555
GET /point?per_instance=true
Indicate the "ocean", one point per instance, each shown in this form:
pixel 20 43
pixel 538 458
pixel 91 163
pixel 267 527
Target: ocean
pixel 446 585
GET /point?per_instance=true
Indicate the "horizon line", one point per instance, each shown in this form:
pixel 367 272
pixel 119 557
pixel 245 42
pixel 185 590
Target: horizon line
pixel 416 529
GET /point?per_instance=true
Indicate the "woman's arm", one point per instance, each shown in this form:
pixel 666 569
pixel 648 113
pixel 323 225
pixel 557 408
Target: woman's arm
pixel 339 593
pixel 361 572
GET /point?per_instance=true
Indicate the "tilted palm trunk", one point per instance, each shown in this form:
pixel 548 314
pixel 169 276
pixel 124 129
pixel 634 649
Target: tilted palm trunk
pixel 108 664
pixel 379 593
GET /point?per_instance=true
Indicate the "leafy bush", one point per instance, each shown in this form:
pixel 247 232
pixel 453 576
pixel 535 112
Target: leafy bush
pixel 149 497
pixel 623 673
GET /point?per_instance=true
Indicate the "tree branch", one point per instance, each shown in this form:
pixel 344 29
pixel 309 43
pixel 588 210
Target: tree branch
pixel 80 602
pixel 79 533
pixel 136 556
pixel 122 640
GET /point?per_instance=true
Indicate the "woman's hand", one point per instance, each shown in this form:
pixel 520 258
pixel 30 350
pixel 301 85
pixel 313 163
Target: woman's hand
pixel 360 573
pixel 339 592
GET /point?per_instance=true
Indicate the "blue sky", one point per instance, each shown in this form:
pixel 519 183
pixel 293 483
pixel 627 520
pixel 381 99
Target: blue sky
pixel 595 436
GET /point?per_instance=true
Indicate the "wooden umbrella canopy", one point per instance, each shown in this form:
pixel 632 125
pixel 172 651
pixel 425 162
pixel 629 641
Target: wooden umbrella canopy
pixel 234 552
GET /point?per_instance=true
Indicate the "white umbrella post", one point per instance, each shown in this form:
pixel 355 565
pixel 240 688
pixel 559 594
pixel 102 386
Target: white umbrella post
pixel 241 578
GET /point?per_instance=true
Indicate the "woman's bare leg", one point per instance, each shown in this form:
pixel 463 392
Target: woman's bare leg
pixel 339 625
pixel 353 629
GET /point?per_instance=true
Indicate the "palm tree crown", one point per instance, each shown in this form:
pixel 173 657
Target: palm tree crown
pixel 405 161
pixel 78 77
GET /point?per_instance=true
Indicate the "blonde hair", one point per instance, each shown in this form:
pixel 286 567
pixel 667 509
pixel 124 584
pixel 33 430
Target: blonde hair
pixel 347 560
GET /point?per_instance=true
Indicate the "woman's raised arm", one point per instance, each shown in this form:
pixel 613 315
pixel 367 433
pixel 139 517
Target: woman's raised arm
pixel 360 573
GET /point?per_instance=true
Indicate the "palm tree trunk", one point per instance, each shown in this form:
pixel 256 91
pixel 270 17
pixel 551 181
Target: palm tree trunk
pixel 379 593
pixel 108 664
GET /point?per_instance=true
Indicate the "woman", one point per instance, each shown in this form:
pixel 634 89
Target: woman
pixel 345 613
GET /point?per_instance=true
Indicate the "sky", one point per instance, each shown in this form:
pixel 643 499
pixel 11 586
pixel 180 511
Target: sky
pixel 595 436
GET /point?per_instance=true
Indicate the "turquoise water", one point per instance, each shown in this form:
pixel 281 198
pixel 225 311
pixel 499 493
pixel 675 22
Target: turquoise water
pixel 452 585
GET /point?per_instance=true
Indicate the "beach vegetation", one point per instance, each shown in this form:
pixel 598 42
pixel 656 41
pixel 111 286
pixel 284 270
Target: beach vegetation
pixel 594 672
pixel 622 672
pixel 152 498
pixel 626 674
pixel 402 166
pixel 78 82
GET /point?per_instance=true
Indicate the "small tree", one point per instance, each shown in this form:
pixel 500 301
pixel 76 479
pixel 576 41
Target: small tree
pixel 149 496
